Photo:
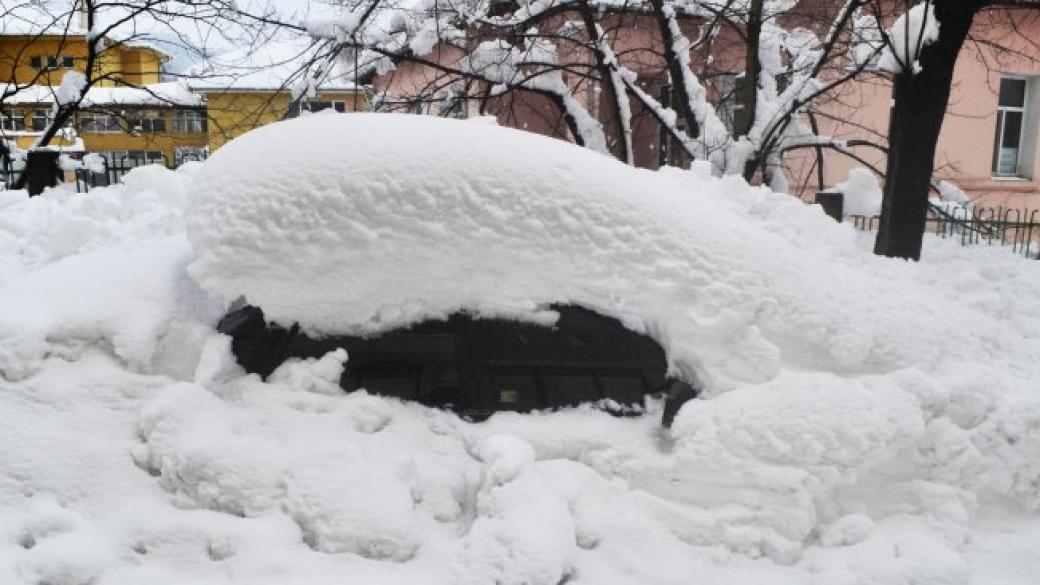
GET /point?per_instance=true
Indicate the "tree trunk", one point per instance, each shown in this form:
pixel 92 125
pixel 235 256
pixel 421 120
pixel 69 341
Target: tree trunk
pixel 680 94
pixel 918 108
pixel 748 97
pixel 41 171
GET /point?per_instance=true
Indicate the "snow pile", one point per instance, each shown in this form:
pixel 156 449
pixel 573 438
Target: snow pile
pixel 862 193
pixel 135 450
pixel 908 37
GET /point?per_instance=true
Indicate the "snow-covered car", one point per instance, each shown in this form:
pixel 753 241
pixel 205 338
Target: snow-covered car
pixel 475 356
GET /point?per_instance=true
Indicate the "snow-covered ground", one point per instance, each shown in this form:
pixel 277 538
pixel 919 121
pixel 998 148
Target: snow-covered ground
pixel 867 420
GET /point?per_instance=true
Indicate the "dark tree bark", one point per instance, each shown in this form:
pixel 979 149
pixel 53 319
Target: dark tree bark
pixel 621 143
pixel 41 171
pixel 918 108
pixel 680 101
pixel 748 97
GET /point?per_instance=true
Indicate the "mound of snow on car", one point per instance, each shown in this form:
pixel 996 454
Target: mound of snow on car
pixel 870 421
pixel 392 219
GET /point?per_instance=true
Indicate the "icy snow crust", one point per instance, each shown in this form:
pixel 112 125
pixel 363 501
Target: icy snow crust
pixel 134 450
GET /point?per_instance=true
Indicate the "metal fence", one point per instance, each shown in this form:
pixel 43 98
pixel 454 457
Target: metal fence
pixel 87 179
pixel 1018 229
pixel 8 177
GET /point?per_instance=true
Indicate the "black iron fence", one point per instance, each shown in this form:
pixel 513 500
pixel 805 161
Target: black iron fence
pixel 1018 229
pixel 8 178
pixel 87 179
pixel 110 172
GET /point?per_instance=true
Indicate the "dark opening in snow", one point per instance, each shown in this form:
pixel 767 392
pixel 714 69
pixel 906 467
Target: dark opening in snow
pixel 477 367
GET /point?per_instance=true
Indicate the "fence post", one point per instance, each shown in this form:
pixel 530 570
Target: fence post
pixel 832 202
pixel 41 171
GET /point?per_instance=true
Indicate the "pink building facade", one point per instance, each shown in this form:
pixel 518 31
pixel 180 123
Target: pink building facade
pixel 988 146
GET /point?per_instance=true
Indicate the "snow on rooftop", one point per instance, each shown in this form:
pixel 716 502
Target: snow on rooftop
pixel 133 449
pixel 171 93
pixel 39 18
pixel 59 18
pixel 277 65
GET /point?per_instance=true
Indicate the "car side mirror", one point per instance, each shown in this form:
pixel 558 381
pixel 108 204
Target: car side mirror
pixel 677 394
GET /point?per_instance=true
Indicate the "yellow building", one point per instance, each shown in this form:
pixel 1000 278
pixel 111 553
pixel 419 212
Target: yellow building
pixel 129 116
pixel 246 90
pixel 132 117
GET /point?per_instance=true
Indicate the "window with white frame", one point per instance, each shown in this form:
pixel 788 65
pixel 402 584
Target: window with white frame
pixel 14 120
pixel 1010 127
pixel 98 123
pixel 189 121
pixel 315 106
pixel 132 158
pixel 40 120
pixel 148 121
pixel 183 154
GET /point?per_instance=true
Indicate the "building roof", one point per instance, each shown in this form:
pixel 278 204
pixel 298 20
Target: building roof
pixel 59 20
pixel 276 66
pixel 38 20
pixel 157 94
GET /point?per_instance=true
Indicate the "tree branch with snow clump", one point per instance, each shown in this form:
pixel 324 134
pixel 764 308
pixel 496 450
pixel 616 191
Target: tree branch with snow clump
pixel 601 80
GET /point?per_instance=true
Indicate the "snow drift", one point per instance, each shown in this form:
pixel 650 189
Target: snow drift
pixel 134 450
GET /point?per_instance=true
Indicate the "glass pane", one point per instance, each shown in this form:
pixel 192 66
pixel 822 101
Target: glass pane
pixel 1012 130
pixel 1011 135
pixel 1008 162
pixel 624 387
pixel 400 384
pixel 516 391
pixel 570 388
pixel 1013 92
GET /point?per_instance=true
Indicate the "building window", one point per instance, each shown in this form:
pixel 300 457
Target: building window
pixel 454 104
pixel 592 96
pixel 1011 117
pixel 98 123
pixel 296 107
pixel 132 158
pixel 40 120
pixel 340 107
pixel 148 121
pixel 14 120
pixel 670 150
pixel 189 121
pixel 183 154
pixel 38 61
pixel 729 88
